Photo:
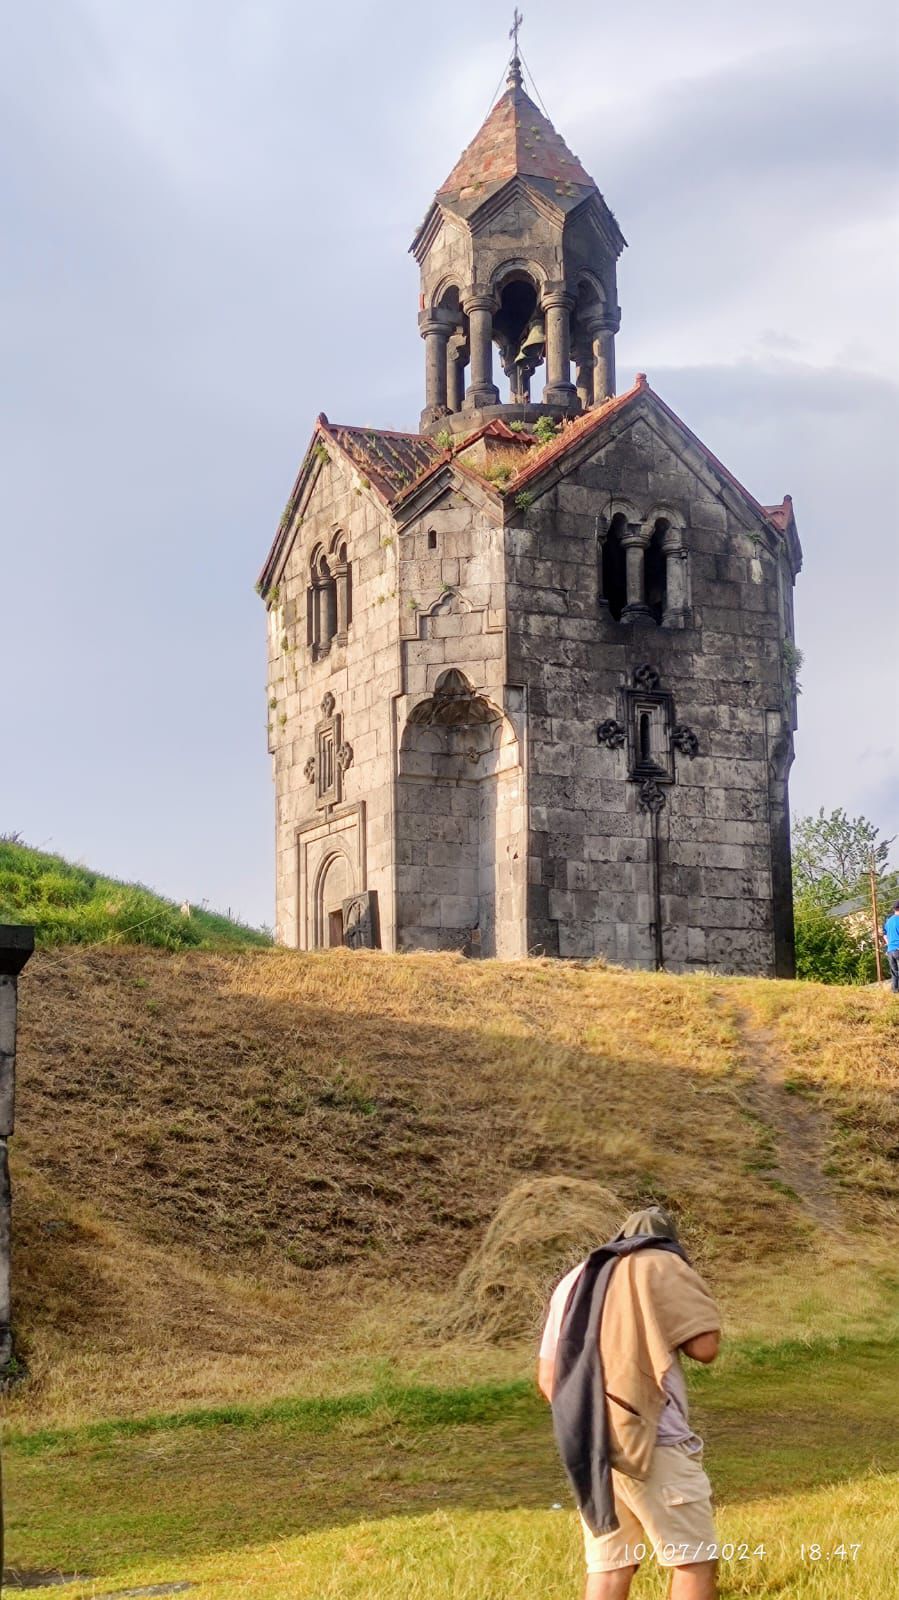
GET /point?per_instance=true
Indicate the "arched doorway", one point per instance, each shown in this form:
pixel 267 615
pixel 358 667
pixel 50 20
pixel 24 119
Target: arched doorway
pixel 461 860
pixel 334 884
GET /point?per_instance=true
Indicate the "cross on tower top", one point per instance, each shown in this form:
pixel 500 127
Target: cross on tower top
pixel 514 78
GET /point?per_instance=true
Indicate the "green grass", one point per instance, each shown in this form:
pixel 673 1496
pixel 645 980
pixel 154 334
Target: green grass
pixel 416 1405
pixel 417 1491
pixel 469 1554
pixel 69 904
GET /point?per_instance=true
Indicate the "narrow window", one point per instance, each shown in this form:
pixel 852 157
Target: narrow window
pixel 614 568
pixel 340 566
pixel 645 738
pixel 321 606
pixel 656 570
pixel 432 538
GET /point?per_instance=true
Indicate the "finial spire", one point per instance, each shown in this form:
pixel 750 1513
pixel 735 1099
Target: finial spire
pixel 514 79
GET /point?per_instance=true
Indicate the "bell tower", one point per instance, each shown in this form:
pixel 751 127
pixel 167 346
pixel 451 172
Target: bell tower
pixel 518 256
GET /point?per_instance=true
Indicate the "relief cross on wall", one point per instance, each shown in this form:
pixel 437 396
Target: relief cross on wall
pixel 647 725
pixel 651 734
pixel 333 755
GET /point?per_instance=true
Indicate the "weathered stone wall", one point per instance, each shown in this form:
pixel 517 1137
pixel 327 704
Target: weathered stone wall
pixel 446 847
pixel 512 828
pixel 461 847
pixel 362 675
pixel 721 831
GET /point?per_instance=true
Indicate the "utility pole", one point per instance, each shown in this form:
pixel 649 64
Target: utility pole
pixel 875 920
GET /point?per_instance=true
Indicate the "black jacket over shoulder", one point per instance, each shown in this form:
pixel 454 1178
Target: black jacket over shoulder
pixel 580 1421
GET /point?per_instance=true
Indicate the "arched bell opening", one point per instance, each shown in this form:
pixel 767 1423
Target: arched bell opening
pixel 520 334
pixel 449 308
pixel 462 860
pixel 591 342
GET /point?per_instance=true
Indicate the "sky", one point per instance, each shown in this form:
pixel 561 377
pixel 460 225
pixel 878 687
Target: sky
pixel 207 209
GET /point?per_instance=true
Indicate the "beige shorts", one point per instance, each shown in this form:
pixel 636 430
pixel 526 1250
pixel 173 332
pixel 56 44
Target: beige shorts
pixel 666 1517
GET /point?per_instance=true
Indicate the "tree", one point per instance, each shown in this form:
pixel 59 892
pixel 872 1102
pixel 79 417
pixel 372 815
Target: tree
pixel 829 952
pixel 832 857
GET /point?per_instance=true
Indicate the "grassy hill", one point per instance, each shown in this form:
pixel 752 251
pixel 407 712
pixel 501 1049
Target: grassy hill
pixel 71 905
pixel 284 1225
pixel 218 1152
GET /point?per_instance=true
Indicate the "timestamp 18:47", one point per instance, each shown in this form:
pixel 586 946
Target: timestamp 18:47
pixel 836 1552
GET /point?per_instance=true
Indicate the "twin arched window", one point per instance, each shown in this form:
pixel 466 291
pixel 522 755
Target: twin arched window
pixel 329 598
pixel 640 570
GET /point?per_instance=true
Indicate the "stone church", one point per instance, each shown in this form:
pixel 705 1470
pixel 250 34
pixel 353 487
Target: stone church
pixel 531 682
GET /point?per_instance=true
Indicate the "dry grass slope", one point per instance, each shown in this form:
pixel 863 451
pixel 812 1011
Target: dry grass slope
pixel 228 1163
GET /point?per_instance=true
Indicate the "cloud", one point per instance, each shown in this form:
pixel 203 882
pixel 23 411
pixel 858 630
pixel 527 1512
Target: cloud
pixel 207 214
pixel 828 438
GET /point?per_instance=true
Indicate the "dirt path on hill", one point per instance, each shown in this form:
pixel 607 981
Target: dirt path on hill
pixel 798 1129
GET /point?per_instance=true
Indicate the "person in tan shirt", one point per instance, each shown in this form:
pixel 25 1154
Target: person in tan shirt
pixel 656 1306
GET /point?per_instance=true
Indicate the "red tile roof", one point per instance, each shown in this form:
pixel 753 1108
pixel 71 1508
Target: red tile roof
pixel 781 515
pixel 391 461
pixel 571 433
pixel 395 462
pixel 515 139
pixel 388 462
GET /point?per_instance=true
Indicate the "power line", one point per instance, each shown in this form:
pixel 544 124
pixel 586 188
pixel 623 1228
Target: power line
pixel 498 87
pixel 534 85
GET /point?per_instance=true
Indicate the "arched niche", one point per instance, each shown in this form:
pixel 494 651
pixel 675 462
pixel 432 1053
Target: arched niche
pixel 335 882
pixel 461 856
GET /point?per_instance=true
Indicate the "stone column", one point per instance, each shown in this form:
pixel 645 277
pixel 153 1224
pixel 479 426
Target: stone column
pixel 560 390
pixel 435 331
pixel 603 333
pixel 584 364
pixel 329 611
pixel 16 945
pixel 340 580
pixel 634 545
pixel 675 578
pixel 455 374
pixel 318 611
pixel 482 391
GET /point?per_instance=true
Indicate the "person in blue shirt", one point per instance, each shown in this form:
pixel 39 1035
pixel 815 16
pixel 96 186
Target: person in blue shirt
pixel 891 935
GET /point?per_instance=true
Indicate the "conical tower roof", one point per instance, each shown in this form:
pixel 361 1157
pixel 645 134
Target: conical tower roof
pixel 516 139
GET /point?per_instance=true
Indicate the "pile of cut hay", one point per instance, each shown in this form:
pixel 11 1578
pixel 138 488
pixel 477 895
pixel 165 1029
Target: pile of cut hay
pixel 543 1227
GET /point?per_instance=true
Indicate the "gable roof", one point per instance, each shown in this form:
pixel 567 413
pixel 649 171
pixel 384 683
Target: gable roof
pixel 516 140
pixel 386 460
pixel 397 466
pixel 850 908
pixel 573 435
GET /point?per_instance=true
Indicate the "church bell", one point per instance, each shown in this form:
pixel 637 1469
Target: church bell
pixel 531 352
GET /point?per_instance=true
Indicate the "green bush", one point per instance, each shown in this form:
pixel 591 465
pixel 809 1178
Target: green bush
pixel 829 952
pixel 545 428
